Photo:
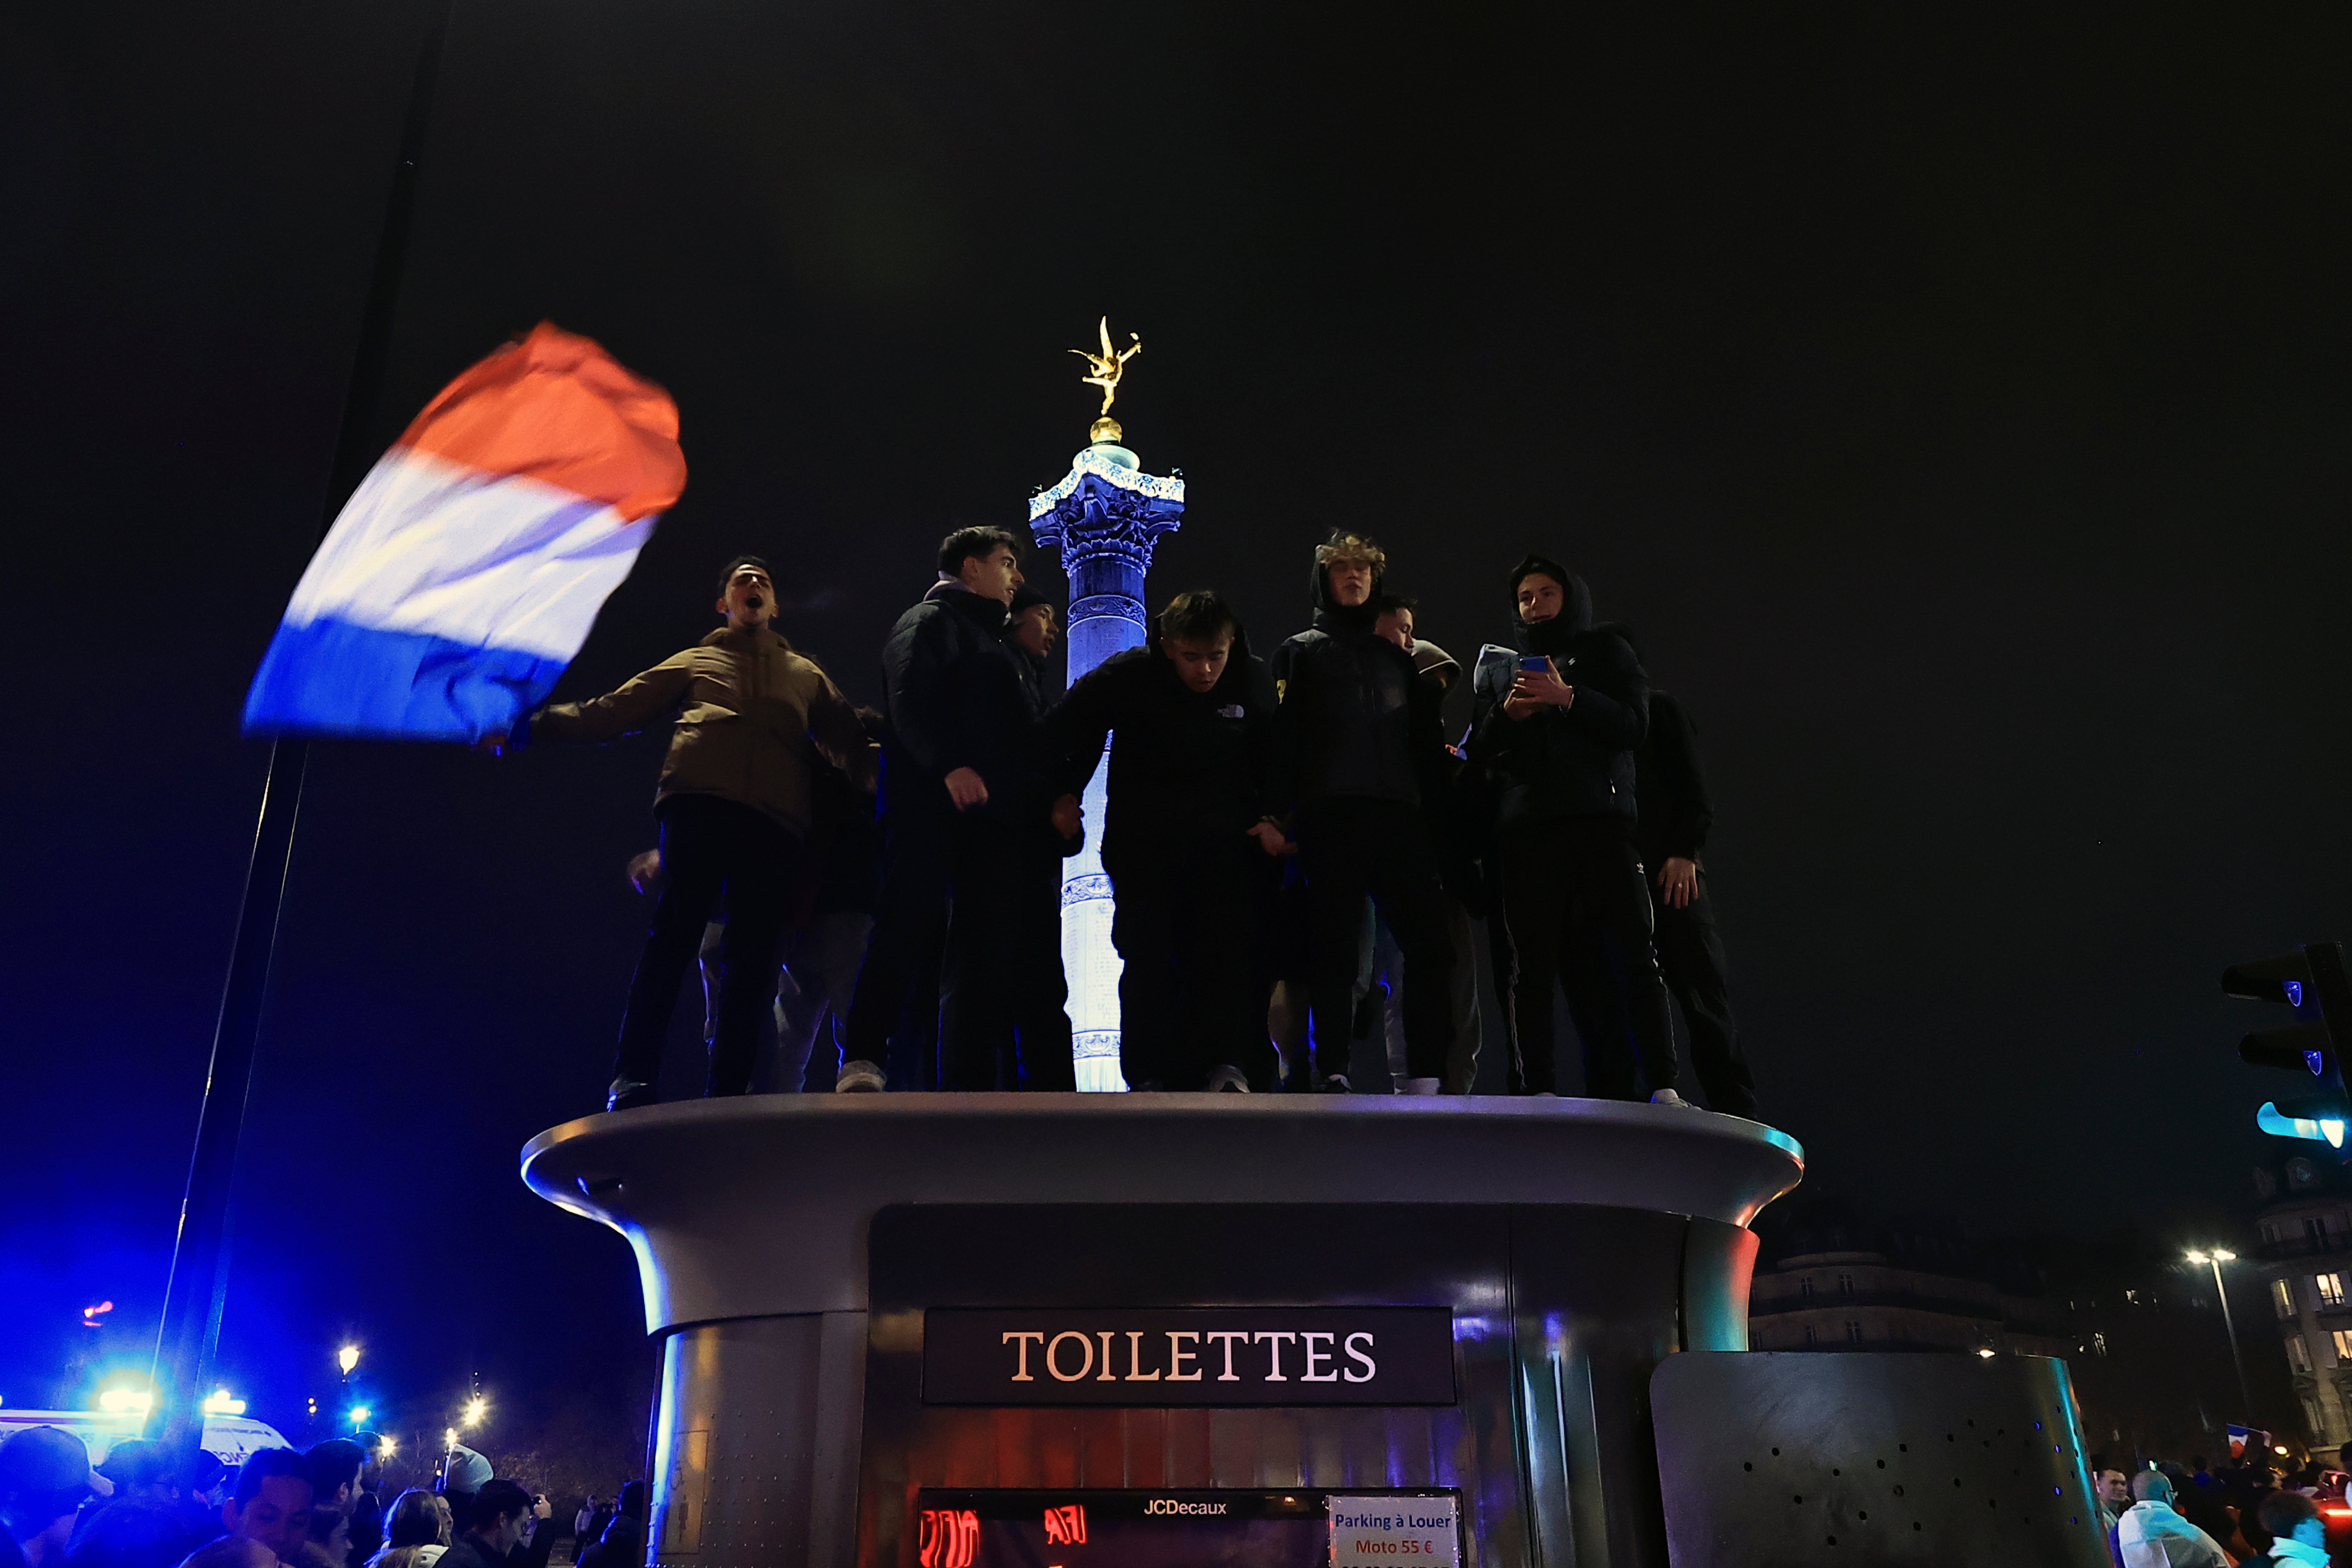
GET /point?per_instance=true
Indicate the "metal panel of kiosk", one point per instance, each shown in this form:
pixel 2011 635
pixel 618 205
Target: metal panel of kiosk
pixel 1775 1458
pixel 1071 1313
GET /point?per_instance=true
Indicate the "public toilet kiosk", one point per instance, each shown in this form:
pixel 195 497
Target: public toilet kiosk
pixel 1163 1330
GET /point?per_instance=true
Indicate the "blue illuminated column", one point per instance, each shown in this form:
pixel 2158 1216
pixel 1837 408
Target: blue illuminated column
pixel 1104 517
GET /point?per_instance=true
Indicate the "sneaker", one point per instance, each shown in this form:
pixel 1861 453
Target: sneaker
pixel 1229 1079
pixel 1416 1086
pixel 1337 1083
pixel 1668 1097
pixel 858 1078
pixel 627 1094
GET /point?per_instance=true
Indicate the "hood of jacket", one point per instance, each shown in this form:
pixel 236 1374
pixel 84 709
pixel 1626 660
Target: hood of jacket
pixel 989 613
pixel 1575 617
pixel 1330 616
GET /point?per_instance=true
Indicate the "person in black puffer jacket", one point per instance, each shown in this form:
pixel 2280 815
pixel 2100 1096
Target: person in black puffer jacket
pixel 1358 761
pixel 1557 743
pixel 956 768
pixel 1186 847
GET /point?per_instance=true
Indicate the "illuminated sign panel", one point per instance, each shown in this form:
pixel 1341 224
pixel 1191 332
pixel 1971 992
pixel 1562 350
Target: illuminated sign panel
pixel 1186 1529
pixel 1189 1355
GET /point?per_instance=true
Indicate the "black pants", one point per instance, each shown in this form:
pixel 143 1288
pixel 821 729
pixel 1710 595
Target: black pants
pixel 1191 988
pixel 1007 1015
pixel 1690 956
pixel 1353 848
pixel 713 849
pixel 1579 910
pixel 931 857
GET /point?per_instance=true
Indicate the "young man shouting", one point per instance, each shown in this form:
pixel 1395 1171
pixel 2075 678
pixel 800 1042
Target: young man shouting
pixel 735 808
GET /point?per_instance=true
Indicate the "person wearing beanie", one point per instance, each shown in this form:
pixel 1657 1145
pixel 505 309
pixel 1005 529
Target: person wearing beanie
pixel 1556 725
pixel 956 764
pixel 735 806
pixel 1357 769
pixel 1460 883
pixel 1190 858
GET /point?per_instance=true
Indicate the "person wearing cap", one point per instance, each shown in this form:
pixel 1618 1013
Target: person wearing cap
pixel 1459 882
pixel 144 1526
pixel 1025 1032
pixel 735 806
pixel 44 1478
pixel 955 768
pixel 1189 858
pixel 1555 727
pixel 1357 769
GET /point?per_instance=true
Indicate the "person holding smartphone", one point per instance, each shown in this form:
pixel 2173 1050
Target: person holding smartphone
pixel 1555 733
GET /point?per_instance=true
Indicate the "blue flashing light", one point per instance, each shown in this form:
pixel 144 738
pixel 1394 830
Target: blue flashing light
pixel 2316 1061
pixel 2294 997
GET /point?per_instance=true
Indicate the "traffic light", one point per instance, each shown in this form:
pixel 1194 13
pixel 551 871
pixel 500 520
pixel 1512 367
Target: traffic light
pixel 2313 982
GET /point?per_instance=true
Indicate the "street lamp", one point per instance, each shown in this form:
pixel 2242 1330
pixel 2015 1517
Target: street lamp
pixel 475 1409
pixel 2214 1260
pixel 347 1358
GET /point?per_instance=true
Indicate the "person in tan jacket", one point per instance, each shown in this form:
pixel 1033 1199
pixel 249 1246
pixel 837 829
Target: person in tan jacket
pixel 735 804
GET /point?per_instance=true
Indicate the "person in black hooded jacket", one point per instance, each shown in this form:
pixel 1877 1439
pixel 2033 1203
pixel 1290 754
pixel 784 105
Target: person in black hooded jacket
pixel 1186 847
pixel 1359 762
pixel 1027 1026
pixel 956 770
pixel 1555 731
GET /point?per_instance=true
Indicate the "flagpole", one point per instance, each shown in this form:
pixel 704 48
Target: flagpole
pixel 188 1337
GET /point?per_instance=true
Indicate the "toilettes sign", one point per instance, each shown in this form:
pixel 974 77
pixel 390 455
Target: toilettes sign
pixel 1189 1355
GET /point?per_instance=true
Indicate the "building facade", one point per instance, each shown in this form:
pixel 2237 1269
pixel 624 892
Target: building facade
pixel 2305 1259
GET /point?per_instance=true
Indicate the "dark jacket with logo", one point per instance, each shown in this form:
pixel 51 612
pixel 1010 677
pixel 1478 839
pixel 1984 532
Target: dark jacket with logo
pixel 952 697
pixel 1355 718
pixel 1189 765
pixel 1564 762
pixel 1669 787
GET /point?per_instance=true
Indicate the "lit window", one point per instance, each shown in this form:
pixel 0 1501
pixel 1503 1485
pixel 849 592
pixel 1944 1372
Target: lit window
pixel 2132 1296
pixel 2283 1298
pixel 2298 1355
pixel 2342 1338
pixel 2329 1288
pixel 2099 1343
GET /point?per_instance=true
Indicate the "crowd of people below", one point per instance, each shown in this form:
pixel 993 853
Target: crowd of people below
pixel 2168 1515
pixel 321 1508
pixel 1292 841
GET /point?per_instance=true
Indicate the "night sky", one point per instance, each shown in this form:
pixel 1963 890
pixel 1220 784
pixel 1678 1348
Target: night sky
pixel 1953 403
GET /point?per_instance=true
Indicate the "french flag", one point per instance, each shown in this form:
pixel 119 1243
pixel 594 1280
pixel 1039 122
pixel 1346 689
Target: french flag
pixel 463 574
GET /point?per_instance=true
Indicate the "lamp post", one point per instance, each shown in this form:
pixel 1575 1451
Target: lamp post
pixel 2214 1260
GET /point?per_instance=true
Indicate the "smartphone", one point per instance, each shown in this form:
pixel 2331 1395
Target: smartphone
pixel 1535 662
